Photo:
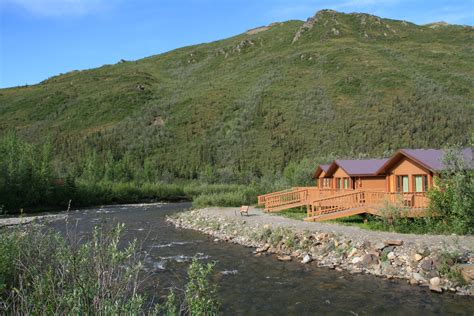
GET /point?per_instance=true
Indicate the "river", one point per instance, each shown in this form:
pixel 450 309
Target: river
pixel 250 285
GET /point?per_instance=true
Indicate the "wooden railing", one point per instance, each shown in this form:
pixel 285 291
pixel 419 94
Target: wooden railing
pixel 297 195
pixel 262 198
pixel 336 203
pixel 373 199
pixel 412 200
pixel 286 198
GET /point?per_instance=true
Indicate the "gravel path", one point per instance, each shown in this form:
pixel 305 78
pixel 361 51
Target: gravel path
pixel 257 216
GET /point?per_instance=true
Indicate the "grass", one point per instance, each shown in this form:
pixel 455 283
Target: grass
pixel 295 213
pixel 370 222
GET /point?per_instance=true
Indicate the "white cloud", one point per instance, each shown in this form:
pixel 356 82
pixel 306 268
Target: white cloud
pixel 58 7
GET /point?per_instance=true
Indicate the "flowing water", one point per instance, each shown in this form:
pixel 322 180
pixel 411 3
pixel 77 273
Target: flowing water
pixel 250 285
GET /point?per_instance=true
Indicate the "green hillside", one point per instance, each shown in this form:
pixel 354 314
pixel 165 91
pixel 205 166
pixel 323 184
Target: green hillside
pixel 336 85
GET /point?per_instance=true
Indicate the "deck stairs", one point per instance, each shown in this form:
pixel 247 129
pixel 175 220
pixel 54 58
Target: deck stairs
pixel 337 214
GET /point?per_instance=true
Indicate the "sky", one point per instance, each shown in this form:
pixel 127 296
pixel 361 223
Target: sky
pixel 42 38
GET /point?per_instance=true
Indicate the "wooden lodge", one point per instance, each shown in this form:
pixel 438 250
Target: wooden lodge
pixel 349 187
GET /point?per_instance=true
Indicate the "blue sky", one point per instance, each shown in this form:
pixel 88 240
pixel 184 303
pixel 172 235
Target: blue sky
pixel 42 38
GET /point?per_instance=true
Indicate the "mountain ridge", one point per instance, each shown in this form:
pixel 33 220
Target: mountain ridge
pixel 350 84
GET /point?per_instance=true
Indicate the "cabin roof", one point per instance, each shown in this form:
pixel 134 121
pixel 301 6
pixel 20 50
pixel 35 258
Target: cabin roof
pixel 320 169
pixel 431 159
pixel 360 167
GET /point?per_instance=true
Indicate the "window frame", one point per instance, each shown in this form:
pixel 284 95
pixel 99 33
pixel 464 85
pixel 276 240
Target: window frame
pixel 424 182
pixel 399 183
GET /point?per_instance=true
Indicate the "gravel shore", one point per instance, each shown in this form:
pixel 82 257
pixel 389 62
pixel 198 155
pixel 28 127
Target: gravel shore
pixel 444 263
pixel 12 221
pixel 258 217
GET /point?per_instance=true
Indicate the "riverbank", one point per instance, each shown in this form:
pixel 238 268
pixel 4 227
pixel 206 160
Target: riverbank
pixel 13 221
pixel 444 263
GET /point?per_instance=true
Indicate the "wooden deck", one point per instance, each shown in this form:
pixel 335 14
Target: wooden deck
pixel 326 204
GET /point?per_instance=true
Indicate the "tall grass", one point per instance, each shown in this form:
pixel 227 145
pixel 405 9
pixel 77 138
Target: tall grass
pixel 237 196
pixel 45 273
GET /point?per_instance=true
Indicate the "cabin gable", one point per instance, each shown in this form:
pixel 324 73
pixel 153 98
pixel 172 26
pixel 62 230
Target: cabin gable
pixel 407 175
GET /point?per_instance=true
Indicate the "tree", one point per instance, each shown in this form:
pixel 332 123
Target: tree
pixel 453 195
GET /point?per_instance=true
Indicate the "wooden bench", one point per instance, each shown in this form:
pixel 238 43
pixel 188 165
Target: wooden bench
pixel 244 209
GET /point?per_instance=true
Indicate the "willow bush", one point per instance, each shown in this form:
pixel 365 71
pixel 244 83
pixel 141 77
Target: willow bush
pixel 46 273
pixel 452 197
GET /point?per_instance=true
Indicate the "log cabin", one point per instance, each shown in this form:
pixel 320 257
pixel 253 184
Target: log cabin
pixel 348 187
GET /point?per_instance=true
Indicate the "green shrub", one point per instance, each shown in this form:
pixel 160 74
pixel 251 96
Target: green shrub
pixel 452 197
pixel 43 273
pixel 52 274
pixel 235 198
pixel 200 293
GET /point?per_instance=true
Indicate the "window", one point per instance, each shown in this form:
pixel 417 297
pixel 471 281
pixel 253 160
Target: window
pixel 421 183
pixel 326 183
pixel 338 183
pixel 346 183
pixel 402 184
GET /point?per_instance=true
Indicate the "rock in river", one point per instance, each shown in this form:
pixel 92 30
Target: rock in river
pixel 306 259
pixel 436 288
pixel 284 258
pixel 435 281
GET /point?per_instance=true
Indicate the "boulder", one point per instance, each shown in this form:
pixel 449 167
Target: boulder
pixel 374 252
pixel 307 259
pixel 417 257
pixel 352 253
pixel 391 255
pixel 424 251
pixel 418 277
pixel 356 260
pixel 467 271
pixel 437 289
pixel 369 259
pixel 328 247
pixel 433 274
pixel 380 246
pixel 413 281
pixel 284 258
pixel 393 242
pixel 389 271
pixel 427 264
pixel 436 281
pixel 388 249
pixel 263 248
